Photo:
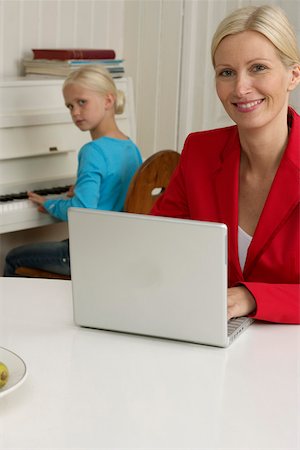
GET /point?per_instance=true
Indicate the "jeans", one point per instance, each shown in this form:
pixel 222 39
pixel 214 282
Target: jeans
pixel 49 256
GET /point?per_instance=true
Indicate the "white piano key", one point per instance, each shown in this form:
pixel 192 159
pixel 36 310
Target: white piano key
pixel 22 214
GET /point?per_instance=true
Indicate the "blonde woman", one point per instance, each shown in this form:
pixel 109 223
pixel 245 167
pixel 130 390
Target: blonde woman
pixel 247 175
pixel 105 165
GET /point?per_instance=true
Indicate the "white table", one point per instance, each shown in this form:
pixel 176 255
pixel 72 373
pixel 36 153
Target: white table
pixel 89 389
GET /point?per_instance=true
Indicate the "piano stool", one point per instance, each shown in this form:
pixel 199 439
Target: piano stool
pixel 28 272
pixel 148 183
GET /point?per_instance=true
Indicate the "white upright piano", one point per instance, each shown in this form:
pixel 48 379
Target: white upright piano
pixel 38 151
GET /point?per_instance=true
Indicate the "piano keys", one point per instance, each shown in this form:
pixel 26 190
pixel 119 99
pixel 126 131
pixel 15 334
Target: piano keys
pixel 17 212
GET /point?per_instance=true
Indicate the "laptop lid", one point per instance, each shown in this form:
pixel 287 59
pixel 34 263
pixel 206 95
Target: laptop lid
pixel 149 275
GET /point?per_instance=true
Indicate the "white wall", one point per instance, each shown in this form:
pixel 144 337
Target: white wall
pixel 152 49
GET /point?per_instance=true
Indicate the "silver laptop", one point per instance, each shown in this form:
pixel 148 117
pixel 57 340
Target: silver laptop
pixel 152 276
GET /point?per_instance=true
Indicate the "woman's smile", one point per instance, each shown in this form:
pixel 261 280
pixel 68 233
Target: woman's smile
pixel 248 106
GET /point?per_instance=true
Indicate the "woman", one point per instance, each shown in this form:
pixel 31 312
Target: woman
pixel 106 165
pixel 247 175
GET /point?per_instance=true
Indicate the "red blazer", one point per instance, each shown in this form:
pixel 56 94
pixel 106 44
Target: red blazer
pixel 205 187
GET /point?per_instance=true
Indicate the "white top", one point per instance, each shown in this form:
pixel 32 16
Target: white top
pixel 90 389
pixel 244 241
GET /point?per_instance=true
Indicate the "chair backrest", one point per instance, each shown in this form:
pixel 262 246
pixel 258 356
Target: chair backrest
pixel 150 181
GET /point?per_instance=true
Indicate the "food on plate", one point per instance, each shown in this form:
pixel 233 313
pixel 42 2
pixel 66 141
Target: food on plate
pixel 4 374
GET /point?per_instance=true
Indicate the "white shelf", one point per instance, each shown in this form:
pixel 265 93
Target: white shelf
pixel 34 155
pixel 33 118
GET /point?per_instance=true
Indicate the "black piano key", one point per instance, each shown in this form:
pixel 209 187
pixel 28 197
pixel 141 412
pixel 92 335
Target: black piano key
pixel 20 195
pixel 43 192
pixel 60 189
pixel 6 198
pixel 57 190
pixel 53 190
pixel 14 196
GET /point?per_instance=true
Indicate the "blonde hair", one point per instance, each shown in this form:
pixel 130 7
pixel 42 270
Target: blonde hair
pixel 98 79
pixel 270 21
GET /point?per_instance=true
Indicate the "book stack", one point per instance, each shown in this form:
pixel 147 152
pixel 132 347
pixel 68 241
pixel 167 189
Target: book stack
pixel 60 62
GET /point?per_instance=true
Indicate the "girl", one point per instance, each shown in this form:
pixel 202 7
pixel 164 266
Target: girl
pixel 105 165
pixel 247 175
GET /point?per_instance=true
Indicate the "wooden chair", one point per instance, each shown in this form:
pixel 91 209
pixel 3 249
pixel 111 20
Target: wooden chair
pixel 148 183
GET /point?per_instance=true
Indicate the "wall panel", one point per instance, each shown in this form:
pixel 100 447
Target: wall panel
pixel 147 35
pixel 168 76
pixel 152 50
pixel 49 29
pixel 30 30
pixel 83 24
pixel 67 30
pixel 10 37
pixel 115 26
pixel 132 31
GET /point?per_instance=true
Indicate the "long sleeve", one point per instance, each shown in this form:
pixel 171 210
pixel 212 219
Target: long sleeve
pixel 105 169
pixel 91 171
pixel 276 302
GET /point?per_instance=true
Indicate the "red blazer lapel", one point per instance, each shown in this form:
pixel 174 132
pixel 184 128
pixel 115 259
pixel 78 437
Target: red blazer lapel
pixel 282 199
pixel 227 190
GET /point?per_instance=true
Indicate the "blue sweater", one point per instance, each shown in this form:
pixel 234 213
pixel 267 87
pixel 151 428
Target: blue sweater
pixel 105 168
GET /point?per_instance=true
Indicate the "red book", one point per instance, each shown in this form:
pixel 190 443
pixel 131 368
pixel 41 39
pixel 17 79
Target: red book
pixel 72 53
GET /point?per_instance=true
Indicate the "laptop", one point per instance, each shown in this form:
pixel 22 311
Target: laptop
pixel 152 276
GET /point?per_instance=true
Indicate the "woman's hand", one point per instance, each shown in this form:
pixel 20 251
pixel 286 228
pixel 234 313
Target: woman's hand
pixel 240 302
pixel 38 199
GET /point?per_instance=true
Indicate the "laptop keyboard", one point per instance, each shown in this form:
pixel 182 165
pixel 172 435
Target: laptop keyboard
pixel 235 323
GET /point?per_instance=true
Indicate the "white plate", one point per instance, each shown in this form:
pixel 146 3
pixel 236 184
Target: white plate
pixel 16 368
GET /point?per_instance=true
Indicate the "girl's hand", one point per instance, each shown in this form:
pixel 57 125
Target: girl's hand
pixel 240 302
pixel 70 192
pixel 38 199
